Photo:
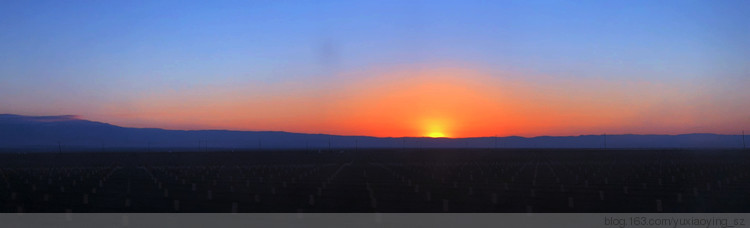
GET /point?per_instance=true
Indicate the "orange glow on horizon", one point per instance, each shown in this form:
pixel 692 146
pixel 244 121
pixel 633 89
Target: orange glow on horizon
pixel 450 102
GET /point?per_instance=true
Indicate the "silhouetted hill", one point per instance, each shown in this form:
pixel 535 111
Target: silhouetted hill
pixel 70 131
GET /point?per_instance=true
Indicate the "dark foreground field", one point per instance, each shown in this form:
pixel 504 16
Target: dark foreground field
pixel 446 180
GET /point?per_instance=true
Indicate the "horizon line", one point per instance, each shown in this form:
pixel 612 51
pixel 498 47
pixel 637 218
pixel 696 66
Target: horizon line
pixel 80 117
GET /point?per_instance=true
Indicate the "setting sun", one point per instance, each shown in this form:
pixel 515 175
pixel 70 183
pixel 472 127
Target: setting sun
pixel 436 135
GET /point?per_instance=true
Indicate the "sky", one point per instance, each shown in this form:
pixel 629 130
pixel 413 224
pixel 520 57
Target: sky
pixel 383 68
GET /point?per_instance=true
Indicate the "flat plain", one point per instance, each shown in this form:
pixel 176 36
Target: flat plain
pixel 377 180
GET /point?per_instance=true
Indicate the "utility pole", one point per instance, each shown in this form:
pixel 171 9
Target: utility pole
pixel 743 140
pixel 605 141
pixel 59 147
pixel 329 143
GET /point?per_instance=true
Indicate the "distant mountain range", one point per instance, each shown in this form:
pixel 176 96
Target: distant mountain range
pixel 18 131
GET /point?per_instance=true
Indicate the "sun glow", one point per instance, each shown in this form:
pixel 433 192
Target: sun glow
pixel 435 101
pixel 436 135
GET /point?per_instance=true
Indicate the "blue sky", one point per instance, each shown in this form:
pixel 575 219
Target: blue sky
pixel 55 54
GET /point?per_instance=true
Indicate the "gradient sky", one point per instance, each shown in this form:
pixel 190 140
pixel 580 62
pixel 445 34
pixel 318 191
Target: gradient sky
pixel 383 68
